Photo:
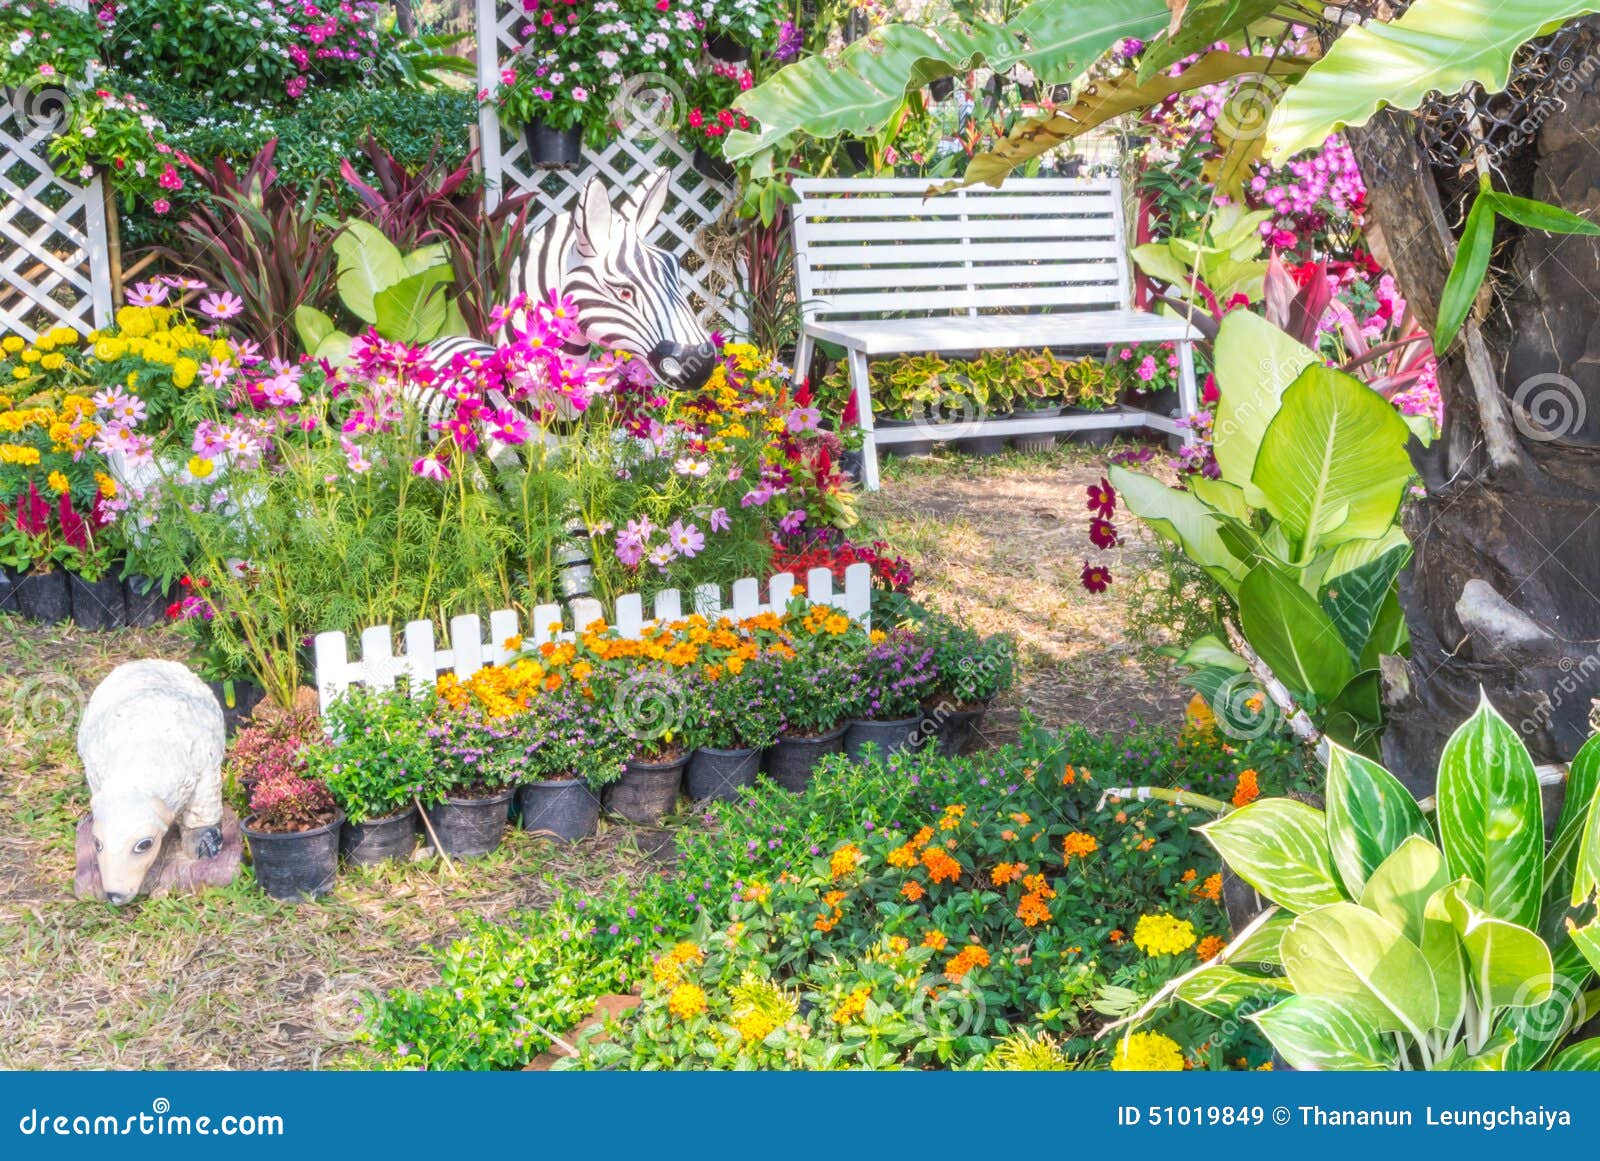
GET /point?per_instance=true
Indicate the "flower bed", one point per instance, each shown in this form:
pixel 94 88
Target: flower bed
pixel 920 911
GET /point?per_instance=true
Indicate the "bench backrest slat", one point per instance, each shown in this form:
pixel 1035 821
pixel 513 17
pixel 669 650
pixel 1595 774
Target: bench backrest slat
pixel 860 243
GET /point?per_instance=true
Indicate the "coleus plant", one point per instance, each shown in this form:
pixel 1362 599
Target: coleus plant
pixel 1396 941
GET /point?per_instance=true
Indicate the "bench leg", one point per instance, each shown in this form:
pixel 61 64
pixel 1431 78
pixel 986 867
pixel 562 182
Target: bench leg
pixel 802 357
pixel 862 389
pixel 1188 395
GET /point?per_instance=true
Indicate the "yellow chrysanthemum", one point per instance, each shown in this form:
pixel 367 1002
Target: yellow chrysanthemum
pixel 1163 935
pixel 1147 1052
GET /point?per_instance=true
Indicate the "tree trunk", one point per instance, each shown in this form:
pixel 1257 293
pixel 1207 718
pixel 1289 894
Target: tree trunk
pixel 1504 589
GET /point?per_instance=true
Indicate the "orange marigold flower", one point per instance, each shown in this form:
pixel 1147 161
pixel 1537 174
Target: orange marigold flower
pixel 1211 889
pixel 1190 875
pixel 969 957
pixel 935 939
pixel 1022 818
pixel 1033 910
pixel 913 891
pixel 1247 790
pixel 833 898
pixel 941 867
pixel 922 837
pixel 1209 947
pixel 1004 873
pixel 1078 844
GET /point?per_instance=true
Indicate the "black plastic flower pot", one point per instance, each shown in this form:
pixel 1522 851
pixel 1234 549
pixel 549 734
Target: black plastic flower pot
pixel 900 734
pixel 722 46
pixel 146 601
pixel 708 164
pixel 237 699
pixel 379 839
pixel 941 89
pixel 952 728
pixel 647 791
pixel 912 447
pixel 8 591
pixel 721 774
pixel 553 148
pixel 45 597
pixel 1093 436
pixel 565 808
pixel 468 828
pixel 298 865
pixel 97 604
pixel 982 445
pixel 789 762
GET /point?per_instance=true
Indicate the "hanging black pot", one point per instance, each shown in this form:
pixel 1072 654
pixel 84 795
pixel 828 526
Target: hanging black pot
pixel 97 604
pixel 296 865
pixel 722 46
pixel 553 148
pixel 8 591
pixel 941 89
pixel 710 165
pixel 146 601
pixel 44 597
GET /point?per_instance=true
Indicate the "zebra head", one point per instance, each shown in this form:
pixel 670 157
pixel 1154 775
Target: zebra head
pixel 627 291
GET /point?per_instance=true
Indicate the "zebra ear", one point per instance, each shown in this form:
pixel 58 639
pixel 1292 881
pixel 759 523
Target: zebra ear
pixel 594 219
pixel 650 198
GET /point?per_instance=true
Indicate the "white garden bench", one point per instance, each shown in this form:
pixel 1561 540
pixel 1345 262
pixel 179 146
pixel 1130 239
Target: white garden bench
pixel 881 269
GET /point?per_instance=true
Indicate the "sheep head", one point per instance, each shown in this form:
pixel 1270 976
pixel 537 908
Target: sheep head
pixel 129 830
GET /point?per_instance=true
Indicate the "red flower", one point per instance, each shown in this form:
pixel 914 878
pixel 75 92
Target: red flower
pixel 1102 498
pixel 1096 577
pixel 1103 533
pixel 1208 390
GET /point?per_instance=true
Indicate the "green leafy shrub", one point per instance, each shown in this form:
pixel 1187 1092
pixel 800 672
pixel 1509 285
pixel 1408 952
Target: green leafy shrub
pixel 1399 942
pixel 380 757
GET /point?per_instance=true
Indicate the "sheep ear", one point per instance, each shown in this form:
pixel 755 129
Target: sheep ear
pixel 595 219
pixel 651 199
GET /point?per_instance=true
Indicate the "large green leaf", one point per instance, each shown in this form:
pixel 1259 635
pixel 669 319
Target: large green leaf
pixel 1353 554
pixel 1584 1056
pixel 1491 818
pixel 1210 651
pixel 368 262
pixel 1280 847
pixel 1508 965
pixel 1254 363
pixel 1399 889
pixel 1349 955
pixel 1333 463
pixel 1436 46
pixel 859 91
pixel 413 309
pixel 1587 940
pixel 1181 518
pixel 1370 814
pixel 1583 782
pixel 1219 991
pixel 1353 600
pixel 1262 945
pixel 1318 1035
pixel 1297 640
pixel 1586 868
pixel 1447 959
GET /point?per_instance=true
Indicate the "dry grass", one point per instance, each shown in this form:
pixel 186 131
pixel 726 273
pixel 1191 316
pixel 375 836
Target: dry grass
pixel 231 979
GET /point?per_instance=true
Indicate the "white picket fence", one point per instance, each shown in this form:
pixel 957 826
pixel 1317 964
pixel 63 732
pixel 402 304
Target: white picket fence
pixel 380 667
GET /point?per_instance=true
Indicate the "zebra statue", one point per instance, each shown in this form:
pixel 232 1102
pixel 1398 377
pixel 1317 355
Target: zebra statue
pixel 627 291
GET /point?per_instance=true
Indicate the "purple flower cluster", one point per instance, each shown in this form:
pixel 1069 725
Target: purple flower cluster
pixel 894 678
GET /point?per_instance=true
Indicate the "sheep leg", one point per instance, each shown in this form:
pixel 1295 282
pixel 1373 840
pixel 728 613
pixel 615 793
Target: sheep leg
pixel 201 823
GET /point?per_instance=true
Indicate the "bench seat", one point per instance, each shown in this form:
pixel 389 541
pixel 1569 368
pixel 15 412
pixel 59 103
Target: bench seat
pixel 1089 328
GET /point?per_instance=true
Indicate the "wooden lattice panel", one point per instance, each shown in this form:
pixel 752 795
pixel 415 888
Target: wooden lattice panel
pixel 695 204
pixel 54 264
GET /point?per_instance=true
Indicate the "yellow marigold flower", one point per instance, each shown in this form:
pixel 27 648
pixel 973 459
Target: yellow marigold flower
pixel 20 372
pixel 200 467
pixel 58 482
pixel 11 453
pixel 11 344
pixel 1163 935
pixel 686 1001
pixel 110 349
pixel 53 361
pixel 184 371
pixel 1147 1052
pixel 31 356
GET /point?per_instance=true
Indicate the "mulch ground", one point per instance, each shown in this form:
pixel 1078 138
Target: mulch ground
pixel 230 979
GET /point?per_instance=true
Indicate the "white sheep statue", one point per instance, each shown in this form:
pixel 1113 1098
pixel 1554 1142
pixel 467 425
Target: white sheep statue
pixel 152 744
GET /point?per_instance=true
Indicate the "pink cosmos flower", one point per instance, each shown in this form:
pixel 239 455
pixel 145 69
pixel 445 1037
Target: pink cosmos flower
pixel 222 305
pixel 685 539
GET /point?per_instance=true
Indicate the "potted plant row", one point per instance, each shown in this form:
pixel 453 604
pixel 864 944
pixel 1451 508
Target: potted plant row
pixel 735 717
pixel 91 598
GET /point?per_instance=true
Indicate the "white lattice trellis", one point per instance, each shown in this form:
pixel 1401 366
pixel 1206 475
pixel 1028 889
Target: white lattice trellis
pixel 695 202
pixel 54 264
